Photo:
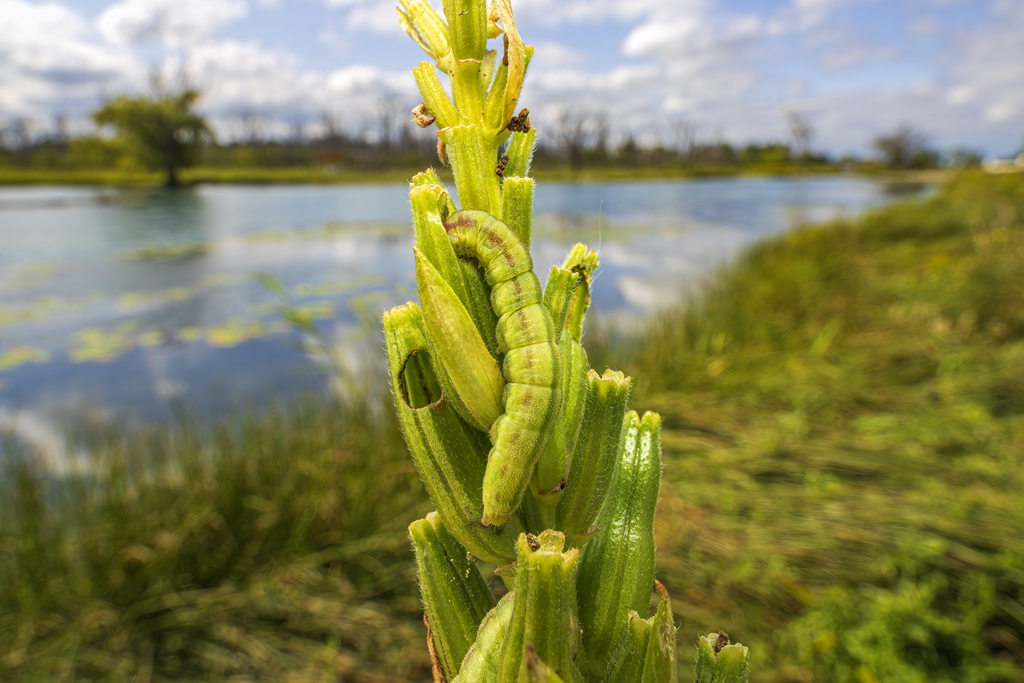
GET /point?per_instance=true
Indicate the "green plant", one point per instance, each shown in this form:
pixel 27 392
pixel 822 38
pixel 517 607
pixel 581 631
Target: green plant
pixel 531 458
pixel 160 132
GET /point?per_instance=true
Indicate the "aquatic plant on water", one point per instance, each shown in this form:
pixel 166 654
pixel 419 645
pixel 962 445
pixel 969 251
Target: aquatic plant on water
pixel 535 465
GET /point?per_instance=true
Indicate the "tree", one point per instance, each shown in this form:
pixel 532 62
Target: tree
pixel 802 131
pixel 161 132
pixel 905 147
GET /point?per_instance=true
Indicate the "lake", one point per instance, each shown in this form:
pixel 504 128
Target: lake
pixel 138 304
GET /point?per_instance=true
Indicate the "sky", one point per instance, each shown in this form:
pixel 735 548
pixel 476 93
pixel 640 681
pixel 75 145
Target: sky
pixel 730 69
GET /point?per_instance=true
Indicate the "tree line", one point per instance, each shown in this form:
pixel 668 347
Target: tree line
pixel 162 131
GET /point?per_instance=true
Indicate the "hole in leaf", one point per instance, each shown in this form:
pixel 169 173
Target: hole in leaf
pixel 419 383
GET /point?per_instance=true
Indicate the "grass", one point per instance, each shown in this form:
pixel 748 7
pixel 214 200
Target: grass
pixel 259 552
pixel 257 175
pixel 844 460
pixel 844 445
pixel 201 175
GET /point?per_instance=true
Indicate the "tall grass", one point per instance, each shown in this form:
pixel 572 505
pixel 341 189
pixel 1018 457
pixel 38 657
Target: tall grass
pixel 276 545
pixel 844 445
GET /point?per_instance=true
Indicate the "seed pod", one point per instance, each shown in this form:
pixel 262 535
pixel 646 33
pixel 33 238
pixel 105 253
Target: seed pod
pixel 455 597
pixel 648 654
pixel 427 28
pixel 481 662
pixel 542 616
pixel 718 663
pixel 532 367
pixel 617 565
pixel 468 364
pixel 449 454
pixel 583 261
pixel 594 457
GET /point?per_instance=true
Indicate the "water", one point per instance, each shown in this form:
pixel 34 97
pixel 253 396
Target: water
pixel 139 304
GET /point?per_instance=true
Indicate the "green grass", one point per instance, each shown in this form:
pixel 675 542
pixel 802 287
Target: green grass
pixel 201 175
pixel 257 175
pixel 844 445
pixel 844 460
pixel 276 547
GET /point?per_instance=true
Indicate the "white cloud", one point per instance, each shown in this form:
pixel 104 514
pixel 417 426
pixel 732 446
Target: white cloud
pixel 173 22
pixel 987 72
pixel 52 63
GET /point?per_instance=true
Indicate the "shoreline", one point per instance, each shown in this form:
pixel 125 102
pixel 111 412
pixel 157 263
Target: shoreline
pixel 36 177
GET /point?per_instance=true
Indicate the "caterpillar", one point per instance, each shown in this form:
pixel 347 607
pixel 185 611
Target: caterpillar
pixel 532 366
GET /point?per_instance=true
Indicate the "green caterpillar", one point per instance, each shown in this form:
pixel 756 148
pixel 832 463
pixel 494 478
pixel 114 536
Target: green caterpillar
pixel 532 368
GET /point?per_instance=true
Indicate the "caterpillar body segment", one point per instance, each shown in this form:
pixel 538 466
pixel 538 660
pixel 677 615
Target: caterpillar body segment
pixel 532 366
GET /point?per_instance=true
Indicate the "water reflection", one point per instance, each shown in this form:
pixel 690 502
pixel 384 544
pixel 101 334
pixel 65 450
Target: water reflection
pixel 126 303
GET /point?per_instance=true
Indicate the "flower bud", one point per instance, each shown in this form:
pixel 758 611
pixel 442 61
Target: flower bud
pixel 517 205
pixel 720 662
pixel 583 261
pixel 648 654
pixel 455 597
pixel 545 602
pixel 449 454
pixel 597 450
pixel 435 97
pixel 539 671
pixel 515 57
pixel 617 565
pixel 427 28
pixel 468 363
pixel 520 153
pixel 550 476
pixel 481 662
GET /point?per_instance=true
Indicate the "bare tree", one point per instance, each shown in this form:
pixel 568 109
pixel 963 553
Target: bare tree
pixel 21 133
pixel 602 130
pixel 574 131
pixel 801 130
pixel 255 127
pixel 331 125
pixel 389 115
pixel 60 133
pixel 298 133
pixel 684 139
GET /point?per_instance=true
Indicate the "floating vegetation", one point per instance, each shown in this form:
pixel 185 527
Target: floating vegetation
pixel 168 252
pixel 187 334
pixel 133 299
pixel 234 332
pixel 22 354
pixel 94 344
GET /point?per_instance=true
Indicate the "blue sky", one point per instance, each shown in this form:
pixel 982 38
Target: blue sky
pixel 732 69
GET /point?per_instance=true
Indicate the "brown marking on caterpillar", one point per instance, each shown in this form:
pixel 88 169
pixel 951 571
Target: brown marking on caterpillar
pixel 502 163
pixel 723 640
